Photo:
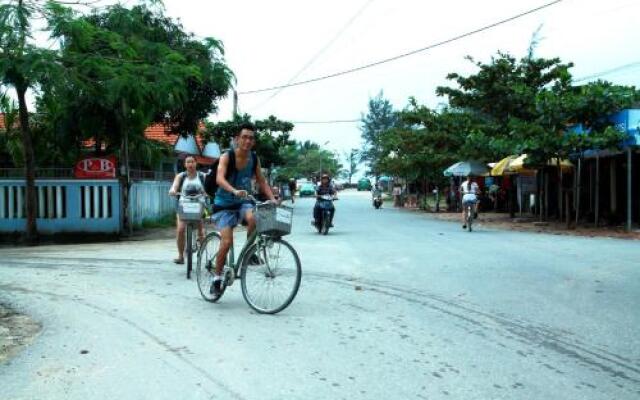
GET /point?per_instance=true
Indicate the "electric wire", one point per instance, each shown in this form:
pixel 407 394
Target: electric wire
pixel 318 54
pixel 410 53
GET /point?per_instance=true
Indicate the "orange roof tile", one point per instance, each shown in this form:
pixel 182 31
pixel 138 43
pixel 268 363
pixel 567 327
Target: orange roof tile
pixel 158 132
pixel 2 121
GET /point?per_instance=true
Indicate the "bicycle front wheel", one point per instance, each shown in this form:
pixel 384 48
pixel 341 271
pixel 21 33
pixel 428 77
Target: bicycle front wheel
pixel 206 265
pixel 271 274
pixel 189 249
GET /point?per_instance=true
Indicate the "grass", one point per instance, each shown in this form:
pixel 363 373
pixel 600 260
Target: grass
pixel 166 221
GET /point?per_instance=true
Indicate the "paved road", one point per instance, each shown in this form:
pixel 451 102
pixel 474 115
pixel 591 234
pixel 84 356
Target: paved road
pixel 392 305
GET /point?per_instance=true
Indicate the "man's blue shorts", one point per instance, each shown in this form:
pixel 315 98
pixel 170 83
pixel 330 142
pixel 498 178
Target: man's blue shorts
pixel 231 218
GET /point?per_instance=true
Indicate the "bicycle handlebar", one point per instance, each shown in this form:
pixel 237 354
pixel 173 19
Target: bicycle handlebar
pixel 190 197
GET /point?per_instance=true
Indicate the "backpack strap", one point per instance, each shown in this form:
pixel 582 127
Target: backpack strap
pixel 183 175
pixel 231 167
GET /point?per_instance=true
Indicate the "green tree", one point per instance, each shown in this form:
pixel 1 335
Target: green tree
pixel 307 160
pixel 272 134
pixel 24 66
pixel 503 95
pixel 424 142
pixel 379 118
pixel 125 69
pixel 353 159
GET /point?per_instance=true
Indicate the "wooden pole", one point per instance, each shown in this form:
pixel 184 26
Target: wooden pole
pixel 629 188
pixel 578 189
pixel 597 204
pixel 560 187
pixel 567 205
pixel 546 195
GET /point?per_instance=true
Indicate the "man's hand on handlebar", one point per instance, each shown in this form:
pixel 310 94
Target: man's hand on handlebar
pixel 240 193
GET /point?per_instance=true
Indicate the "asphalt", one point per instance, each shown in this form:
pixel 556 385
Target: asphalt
pixel 392 305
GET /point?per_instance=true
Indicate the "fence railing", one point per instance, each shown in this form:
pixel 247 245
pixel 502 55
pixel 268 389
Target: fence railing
pixel 93 206
pixel 149 201
pixel 63 206
pixel 42 173
pixel 67 173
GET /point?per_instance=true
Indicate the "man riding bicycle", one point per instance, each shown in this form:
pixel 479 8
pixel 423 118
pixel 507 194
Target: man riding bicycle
pixel 469 190
pixel 231 205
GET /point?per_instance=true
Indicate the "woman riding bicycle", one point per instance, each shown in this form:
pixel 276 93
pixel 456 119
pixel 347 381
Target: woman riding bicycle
pixel 191 180
pixel 469 190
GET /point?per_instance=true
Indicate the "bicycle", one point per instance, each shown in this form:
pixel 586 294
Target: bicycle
pixel 468 215
pixel 190 211
pixel 268 267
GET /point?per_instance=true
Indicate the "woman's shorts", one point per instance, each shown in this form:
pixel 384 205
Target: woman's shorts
pixel 469 201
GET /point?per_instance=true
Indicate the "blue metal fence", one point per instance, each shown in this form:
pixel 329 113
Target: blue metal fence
pixel 70 205
pixel 149 201
pixel 63 206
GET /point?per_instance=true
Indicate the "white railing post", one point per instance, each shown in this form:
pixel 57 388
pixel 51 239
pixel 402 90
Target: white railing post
pixel 3 214
pixel 105 202
pixel 96 202
pixel 11 202
pixel 87 201
pixel 41 204
pixel 19 202
pixel 59 202
pixel 50 206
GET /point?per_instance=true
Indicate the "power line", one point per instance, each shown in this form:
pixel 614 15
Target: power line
pixel 608 71
pixel 386 60
pixel 336 121
pixel 319 53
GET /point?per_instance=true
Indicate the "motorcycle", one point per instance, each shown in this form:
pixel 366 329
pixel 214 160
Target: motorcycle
pixel 323 223
pixel 377 201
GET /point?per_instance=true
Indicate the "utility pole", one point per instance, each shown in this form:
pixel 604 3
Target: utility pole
pixel 235 103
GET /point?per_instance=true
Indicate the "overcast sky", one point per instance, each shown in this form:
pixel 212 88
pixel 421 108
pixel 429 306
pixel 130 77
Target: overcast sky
pixel 269 42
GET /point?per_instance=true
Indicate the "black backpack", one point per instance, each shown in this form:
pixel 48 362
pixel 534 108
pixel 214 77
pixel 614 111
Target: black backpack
pixel 210 182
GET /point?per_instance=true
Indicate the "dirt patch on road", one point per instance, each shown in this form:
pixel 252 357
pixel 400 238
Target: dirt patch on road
pixel 16 332
pixel 503 221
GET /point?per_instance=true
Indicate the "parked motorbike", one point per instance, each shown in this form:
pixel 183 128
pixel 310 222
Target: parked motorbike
pixel 323 223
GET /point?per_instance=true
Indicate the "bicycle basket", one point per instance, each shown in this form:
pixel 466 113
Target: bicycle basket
pixel 274 220
pixel 190 210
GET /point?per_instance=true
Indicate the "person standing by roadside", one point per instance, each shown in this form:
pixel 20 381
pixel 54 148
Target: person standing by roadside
pixel 292 189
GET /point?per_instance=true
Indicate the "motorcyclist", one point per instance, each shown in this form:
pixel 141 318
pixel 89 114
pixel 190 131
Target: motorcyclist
pixel 325 187
pixel 376 193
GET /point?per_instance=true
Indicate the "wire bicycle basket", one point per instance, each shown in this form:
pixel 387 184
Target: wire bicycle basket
pixel 273 220
pixel 190 210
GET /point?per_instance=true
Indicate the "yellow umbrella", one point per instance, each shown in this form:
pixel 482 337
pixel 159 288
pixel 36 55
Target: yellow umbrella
pixel 502 167
pixel 565 164
pixel 518 167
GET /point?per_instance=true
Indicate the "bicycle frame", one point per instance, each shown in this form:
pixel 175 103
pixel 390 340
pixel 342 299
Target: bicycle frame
pixel 231 261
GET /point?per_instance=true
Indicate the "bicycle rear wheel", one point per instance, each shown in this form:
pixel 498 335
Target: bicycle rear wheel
pixel 206 265
pixel 271 279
